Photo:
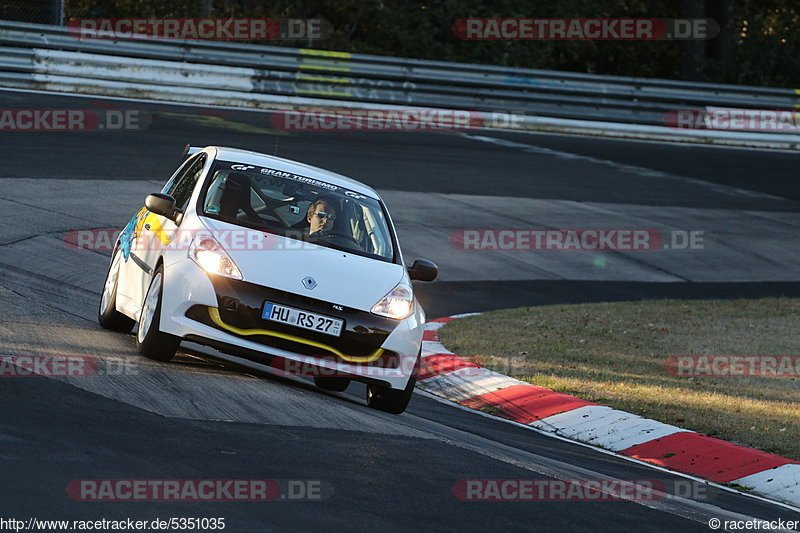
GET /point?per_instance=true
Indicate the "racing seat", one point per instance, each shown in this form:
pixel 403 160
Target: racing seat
pixel 236 197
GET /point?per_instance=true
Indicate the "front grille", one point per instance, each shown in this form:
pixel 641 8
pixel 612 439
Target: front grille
pixel 240 306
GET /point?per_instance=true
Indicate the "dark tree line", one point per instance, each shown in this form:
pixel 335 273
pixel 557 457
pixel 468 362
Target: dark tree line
pixel 759 43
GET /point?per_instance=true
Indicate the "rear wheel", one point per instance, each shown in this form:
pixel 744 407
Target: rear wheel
pixel 107 314
pixel 392 400
pixel 331 384
pixel 150 340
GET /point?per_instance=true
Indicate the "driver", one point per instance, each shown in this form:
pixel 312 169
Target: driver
pixel 321 215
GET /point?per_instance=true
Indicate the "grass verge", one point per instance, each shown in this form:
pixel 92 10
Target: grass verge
pixel 615 354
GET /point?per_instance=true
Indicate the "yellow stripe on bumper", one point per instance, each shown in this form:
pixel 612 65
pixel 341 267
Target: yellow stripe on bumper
pixel 213 312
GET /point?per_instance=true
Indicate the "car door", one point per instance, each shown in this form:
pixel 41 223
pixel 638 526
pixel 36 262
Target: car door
pixel 155 232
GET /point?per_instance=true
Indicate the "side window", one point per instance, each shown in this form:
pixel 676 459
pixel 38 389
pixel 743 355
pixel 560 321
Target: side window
pixel 177 175
pixel 182 186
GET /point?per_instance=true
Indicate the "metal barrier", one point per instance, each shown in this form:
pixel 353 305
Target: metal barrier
pixel 48 57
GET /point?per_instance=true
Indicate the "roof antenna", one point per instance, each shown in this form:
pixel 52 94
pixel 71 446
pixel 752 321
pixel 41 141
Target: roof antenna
pixel 276 146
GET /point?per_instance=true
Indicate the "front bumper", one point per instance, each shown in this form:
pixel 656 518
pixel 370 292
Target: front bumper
pixel 226 313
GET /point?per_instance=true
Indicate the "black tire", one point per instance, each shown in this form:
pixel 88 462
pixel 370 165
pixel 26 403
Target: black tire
pixel 107 314
pixel 331 383
pixel 150 340
pixel 392 400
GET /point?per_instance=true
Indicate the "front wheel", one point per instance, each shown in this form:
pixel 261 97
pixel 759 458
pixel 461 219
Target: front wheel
pixel 107 314
pixel 150 340
pixel 392 400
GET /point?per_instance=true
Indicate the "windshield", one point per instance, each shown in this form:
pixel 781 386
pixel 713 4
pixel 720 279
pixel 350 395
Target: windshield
pixel 298 207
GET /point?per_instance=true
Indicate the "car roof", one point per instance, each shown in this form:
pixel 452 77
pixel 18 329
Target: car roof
pixel 295 167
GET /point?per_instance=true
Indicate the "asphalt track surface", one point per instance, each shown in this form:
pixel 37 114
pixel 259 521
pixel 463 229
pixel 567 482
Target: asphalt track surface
pixel 200 418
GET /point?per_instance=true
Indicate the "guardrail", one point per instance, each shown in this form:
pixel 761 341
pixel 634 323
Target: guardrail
pixel 47 57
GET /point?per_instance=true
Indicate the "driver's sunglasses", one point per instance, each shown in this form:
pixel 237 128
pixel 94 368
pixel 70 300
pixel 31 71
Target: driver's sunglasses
pixel 323 214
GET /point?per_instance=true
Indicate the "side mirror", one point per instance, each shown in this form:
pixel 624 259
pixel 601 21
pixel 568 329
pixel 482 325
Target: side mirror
pixel 423 270
pixel 161 204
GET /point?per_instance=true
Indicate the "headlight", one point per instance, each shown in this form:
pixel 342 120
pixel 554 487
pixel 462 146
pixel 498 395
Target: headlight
pixel 397 304
pixel 206 252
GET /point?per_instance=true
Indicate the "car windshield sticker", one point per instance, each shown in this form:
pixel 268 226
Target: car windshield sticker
pixel 294 177
pixel 301 179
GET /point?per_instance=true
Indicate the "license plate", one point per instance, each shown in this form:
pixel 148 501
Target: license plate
pixel 302 319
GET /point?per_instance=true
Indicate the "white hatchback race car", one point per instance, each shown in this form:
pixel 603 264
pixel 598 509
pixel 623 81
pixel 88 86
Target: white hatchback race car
pixel 275 261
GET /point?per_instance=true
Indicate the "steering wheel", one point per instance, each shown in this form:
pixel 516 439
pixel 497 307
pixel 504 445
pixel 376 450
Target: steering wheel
pixel 333 237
